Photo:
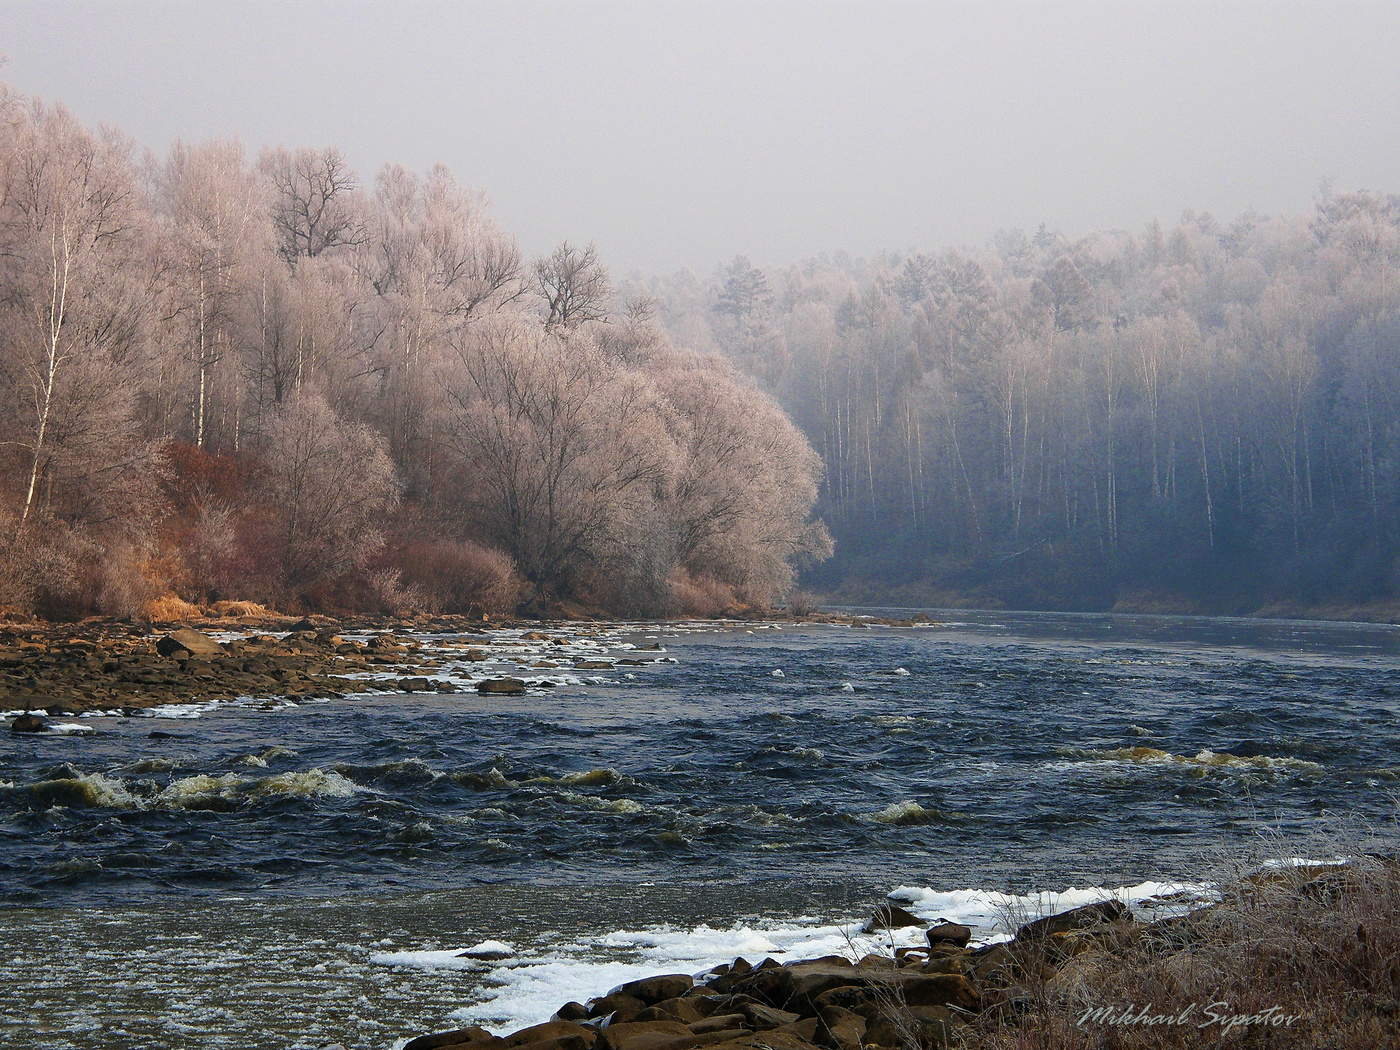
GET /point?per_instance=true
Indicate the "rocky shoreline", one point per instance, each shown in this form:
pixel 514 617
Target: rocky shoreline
pixel 947 991
pixel 918 996
pixel 109 666
pixel 121 667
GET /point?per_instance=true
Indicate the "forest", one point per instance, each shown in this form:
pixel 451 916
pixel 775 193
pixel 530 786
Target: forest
pixel 1201 417
pixel 264 378
pixel 226 377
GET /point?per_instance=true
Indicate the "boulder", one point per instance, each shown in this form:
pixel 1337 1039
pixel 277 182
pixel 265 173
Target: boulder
pixel 765 1041
pixel 678 1009
pixel 617 1006
pixel 890 917
pixel 910 1028
pixel 501 686
pixel 945 932
pixel 805 1029
pixel 28 724
pixel 415 685
pixel 647 1035
pixel 840 1029
pixel 456 1037
pixel 1076 919
pixel 652 990
pixel 566 1035
pixel 719 1023
pixel 188 642
pixel 804 981
pixel 571 1011
pixel 760 1016
pixel 939 989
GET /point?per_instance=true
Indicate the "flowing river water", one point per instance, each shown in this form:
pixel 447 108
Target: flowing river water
pixel 270 876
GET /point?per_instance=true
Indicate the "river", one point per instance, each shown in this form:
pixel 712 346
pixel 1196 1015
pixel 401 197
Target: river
pixel 269 876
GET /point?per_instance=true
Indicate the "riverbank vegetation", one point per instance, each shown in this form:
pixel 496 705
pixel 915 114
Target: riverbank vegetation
pixel 268 379
pixel 1202 416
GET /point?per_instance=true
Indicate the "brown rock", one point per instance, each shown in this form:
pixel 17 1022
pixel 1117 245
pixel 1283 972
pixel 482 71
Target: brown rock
pixel 552 1032
pixel 677 1009
pixel 501 686
pixel 620 1007
pixel 940 989
pixel 456 1037
pixel 647 1035
pixel 890 917
pixel 1076 919
pixel 189 642
pixel 840 1029
pixel 766 1041
pixel 945 932
pixel 805 1029
pixel 760 1016
pixel 652 990
pixel 28 724
pixel 719 1023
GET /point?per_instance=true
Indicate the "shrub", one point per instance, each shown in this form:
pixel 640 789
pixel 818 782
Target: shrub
pixel 461 576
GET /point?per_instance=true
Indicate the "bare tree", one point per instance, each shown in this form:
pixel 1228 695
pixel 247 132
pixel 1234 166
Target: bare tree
pixel 573 284
pixel 327 485
pixel 315 205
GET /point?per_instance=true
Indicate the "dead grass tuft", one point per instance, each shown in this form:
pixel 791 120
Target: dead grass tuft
pixel 169 608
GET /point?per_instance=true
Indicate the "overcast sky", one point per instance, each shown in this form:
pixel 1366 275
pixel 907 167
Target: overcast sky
pixel 684 133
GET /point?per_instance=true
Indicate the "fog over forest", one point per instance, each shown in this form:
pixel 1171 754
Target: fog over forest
pixel 1200 416
pixel 1116 334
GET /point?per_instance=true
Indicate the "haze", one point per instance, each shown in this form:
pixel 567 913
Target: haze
pixel 682 134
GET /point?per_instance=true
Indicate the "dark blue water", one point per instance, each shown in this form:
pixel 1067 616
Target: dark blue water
pixel 1016 749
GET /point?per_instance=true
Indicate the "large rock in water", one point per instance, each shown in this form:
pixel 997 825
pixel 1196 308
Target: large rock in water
pixel 189 642
pixel 456 1037
pixel 652 990
pixel 28 724
pixel 946 932
pixel 1081 918
pixel 501 686
pixel 890 917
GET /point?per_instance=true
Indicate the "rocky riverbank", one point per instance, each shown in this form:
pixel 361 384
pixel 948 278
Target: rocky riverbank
pixel 1038 988
pixel 104 665
pixel 123 667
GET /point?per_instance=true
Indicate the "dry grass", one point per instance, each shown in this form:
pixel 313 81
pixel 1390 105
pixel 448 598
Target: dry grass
pixel 241 610
pixel 169 608
pixel 1317 944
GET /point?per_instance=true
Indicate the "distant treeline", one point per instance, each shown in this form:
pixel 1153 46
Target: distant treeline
pixel 262 379
pixel 1205 416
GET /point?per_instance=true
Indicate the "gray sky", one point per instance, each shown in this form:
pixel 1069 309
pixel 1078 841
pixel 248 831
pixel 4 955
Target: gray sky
pixel 684 133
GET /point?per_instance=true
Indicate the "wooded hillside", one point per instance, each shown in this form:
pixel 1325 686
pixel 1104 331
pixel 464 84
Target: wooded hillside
pixel 225 376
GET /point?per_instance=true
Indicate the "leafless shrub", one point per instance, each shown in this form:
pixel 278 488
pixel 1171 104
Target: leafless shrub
pixel 461 576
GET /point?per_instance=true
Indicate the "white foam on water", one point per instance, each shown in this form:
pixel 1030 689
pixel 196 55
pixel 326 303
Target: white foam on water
pixel 527 988
pixel 994 915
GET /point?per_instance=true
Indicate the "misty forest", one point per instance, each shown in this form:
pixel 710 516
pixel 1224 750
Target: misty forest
pixel 272 378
